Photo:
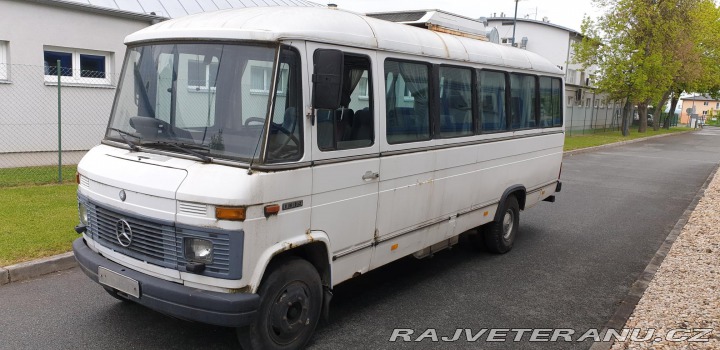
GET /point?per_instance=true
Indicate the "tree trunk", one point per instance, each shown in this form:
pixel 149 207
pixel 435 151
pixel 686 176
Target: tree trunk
pixel 626 118
pixel 659 111
pixel 642 113
pixel 673 105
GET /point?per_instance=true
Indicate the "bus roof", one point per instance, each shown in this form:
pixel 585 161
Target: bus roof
pixel 339 27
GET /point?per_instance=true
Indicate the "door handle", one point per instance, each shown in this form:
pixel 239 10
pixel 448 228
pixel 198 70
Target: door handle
pixel 369 175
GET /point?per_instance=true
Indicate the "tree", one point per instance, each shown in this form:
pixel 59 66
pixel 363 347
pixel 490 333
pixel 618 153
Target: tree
pixel 645 51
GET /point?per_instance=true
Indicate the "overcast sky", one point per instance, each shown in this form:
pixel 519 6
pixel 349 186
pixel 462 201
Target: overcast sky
pixel 567 13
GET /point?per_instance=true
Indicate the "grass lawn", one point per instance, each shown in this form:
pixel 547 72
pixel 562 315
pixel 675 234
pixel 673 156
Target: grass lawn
pixel 36 221
pixel 37 175
pixel 596 139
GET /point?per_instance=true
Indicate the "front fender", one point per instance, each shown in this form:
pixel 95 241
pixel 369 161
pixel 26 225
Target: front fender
pixel 283 246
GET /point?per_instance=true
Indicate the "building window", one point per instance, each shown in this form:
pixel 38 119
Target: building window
pixel 4 60
pixel 588 102
pixel 571 76
pixel 201 77
pixel 705 112
pixel 260 78
pixel 706 103
pixel 570 101
pixel 363 86
pixel 77 66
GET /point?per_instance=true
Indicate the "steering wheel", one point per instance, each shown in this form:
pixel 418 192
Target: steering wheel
pixel 290 137
pixel 254 120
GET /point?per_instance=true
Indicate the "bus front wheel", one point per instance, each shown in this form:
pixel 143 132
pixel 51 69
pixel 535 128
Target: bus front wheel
pixel 290 307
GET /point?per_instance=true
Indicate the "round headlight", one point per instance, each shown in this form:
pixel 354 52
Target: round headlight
pixel 82 211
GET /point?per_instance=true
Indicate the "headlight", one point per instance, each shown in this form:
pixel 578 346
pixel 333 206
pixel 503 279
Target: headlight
pixel 82 211
pixel 198 250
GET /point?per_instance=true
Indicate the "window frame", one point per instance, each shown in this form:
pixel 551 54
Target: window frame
pixel 437 102
pixel 369 97
pixel 560 104
pixel 76 77
pixel 432 92
pixel 4 60
pixel 506 74
pixel 536 104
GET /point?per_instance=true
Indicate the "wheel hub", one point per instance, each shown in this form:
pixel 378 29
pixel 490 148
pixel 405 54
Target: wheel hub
pixel 289 313
pixel 508 223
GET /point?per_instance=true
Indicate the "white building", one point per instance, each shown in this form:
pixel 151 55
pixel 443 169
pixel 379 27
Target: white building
pixel 585 108
pixel 87 37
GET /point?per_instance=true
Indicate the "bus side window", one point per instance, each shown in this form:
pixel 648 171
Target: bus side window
pixel 522 101
pixel 407 101
pixel 352 125
pixel 492 101
pixel 550 102
pixel 455 102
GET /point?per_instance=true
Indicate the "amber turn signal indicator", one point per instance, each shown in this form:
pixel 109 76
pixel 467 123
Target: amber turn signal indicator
pixel 272 209
pixel 230 213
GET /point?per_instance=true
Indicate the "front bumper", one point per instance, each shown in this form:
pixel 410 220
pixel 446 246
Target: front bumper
pixel 222 309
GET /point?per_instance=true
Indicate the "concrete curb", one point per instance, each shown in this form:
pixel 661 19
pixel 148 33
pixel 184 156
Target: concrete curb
pixel 35 268
pixel 628 304
pixel 615 144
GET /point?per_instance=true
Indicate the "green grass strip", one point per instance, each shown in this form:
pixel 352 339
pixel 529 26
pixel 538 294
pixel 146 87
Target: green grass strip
pixel 601 138
pixel 36 221
pixel 37 175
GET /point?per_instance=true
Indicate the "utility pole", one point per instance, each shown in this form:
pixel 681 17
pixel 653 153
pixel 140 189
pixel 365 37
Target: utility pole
pixel 515 22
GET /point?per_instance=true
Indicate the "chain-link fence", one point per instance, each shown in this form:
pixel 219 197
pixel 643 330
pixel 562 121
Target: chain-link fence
pixel 49 120
pixel 591 119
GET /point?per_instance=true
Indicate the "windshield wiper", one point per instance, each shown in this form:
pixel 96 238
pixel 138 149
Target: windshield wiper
pixel 185 147
pixel 122 133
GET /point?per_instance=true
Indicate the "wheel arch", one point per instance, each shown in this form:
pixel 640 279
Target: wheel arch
pixel 313 247
pixel 518 191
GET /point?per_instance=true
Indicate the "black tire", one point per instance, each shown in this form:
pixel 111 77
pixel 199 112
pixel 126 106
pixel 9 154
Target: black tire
pixel 499 236
pixel 290 307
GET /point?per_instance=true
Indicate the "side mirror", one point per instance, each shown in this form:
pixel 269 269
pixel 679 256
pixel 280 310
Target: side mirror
pixel 327 78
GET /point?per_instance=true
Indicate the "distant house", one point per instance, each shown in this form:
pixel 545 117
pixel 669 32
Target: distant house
pixel 86 36
pixel 701 108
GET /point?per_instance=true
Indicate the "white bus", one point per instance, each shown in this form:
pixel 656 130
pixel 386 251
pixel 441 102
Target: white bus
pixel 255 158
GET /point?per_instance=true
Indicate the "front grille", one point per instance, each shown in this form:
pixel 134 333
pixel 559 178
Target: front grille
pixel 161 243
pixel 152 242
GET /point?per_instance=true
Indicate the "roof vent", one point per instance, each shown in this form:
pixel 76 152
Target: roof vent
pixel 332 6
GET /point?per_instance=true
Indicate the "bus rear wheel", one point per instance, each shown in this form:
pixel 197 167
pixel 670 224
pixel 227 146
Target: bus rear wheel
pixel 290 307
pixel 499 236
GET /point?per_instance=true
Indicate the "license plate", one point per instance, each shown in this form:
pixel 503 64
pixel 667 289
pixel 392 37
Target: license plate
pixel 117 281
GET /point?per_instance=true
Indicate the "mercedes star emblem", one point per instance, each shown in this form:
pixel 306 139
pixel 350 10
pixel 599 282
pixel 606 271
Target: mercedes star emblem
pixel 122 195
pixel 123 232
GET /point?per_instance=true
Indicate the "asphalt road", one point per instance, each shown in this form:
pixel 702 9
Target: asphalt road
pixel 573 262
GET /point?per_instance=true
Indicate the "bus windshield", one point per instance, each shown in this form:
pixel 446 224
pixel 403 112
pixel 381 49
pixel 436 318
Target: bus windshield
pixel 207 99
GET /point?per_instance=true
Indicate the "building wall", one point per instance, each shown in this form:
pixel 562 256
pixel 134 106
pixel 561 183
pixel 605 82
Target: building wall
pixel 546 41
pixel 701 108
pixel 28 104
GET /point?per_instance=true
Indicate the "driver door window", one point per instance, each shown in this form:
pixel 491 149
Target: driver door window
pixel 352 125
